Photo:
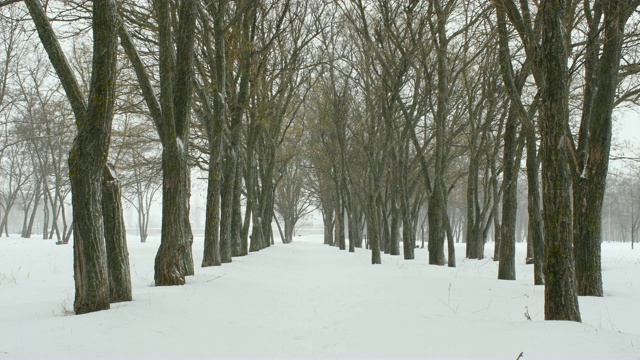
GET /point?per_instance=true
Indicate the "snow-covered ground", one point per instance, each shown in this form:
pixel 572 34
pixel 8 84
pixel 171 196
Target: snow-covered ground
pixel 308 300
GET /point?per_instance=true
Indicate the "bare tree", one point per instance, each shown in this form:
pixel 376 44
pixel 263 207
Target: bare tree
pixel 88 155
pixel 170 113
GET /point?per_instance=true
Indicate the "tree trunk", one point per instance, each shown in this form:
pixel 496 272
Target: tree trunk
pixel 115 237
pixel 36 203
pixel 533 207
pixel 561 301
pixel 328 223
pixel 214 122
pixel 451 246
pixel 408 238
pixel 187 255
pixel 236 211
pixel 173 261
pixel 340 235
pixel 394 229
pixel 169 269
pixel 436 227
pixel 507 266
pixel 497 226
pixel 88 154
pixel 437 201
pixel 594 148
pixel 226 239
pixel 211 256
pixel 45 218
pixel 373 230
pixel 473 216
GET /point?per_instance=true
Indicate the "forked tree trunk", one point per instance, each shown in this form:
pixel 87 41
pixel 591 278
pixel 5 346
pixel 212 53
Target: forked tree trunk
pixel 88 154
pixel 173 260
pixel 594 148
pixel 213 121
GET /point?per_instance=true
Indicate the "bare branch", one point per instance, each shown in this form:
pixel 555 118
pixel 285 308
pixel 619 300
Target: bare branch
pixel 8 2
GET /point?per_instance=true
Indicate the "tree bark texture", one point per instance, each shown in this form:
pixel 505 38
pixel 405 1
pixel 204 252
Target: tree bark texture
pixel 211 256
pixel 436 227
pixel 115 237
pixel 328 223
pixel 561 301
pixel 507 266
pixel 373 230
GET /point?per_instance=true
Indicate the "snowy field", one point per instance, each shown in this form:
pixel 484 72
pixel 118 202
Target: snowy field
pixel 308 300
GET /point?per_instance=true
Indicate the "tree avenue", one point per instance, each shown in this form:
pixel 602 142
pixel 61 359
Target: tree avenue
pixel 401 123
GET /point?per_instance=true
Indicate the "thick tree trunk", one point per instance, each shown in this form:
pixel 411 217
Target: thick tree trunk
pixel 507 266
pixel 394 229
pixel 169 269
pixel 115 237
pixel 561 301
pixel 436 228
pixel 90 265
pixel 408 238
pixel 211 256
pixel 328 223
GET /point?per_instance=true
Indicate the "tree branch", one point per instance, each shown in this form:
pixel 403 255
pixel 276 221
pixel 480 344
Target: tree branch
pixel 8 2
pixel 58 59
pixel 143 78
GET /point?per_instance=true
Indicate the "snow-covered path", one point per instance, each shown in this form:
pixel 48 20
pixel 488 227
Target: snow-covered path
pixel 309 300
